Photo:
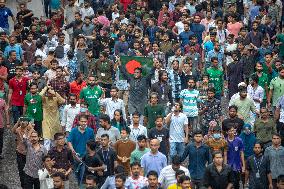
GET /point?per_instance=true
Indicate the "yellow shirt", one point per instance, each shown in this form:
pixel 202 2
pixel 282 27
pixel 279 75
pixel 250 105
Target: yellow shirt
pixel 174 186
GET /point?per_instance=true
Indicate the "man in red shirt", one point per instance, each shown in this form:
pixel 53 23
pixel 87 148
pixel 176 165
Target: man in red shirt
pixel 3 77
pixel 77 85
pixel 17 92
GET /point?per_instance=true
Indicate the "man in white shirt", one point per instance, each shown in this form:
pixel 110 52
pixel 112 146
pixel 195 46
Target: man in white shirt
pixel 45 173
pixel 136 128
pixel 168 174
pixel 69 113
pixel 113 103
pixel 137 180
pixel 255 91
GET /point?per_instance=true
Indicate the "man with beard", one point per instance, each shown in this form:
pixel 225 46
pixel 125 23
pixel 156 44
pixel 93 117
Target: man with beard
pixel 262 80
pixel 69 113
pixel 37 66
pixel 51 73
pixel 247 61
pixel 197 28
pixel 58 180
pixel 91 95
pixel 235 74
pixel 276 89
pixel 29 48
pixel 77 85
pixel 136 179
pixel 11 63
pixel 255 37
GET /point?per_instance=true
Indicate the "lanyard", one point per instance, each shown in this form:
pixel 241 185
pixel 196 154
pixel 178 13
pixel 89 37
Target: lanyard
pixel 258 163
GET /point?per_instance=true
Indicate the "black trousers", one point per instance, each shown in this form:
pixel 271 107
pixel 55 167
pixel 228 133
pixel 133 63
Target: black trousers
pixel 31 183
pixel 1 140
pixel 38 127
pixel 21 162
pixel 237 178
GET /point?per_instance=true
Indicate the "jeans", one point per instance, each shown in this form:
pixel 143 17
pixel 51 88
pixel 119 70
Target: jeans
pixel 17 112
pixel 31 183
pixel 21 162
pixel 1 140
pixel 176 148
pixel 38 127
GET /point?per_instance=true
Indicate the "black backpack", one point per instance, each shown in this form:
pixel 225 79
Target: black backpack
pixel 59 51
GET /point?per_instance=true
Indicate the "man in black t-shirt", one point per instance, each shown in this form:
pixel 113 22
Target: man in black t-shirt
pixel 24 15
pixel 232 121
pixel 162 134
pixel 11 63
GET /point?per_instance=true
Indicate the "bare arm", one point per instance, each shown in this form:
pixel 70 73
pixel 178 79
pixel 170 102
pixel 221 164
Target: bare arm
pixel 9 96
pixel 168 119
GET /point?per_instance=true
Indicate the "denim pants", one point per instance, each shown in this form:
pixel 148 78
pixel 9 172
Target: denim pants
pixel 176 148
pixel 17 112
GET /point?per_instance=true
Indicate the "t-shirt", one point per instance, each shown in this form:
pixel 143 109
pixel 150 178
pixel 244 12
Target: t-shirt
pixel 5 12
pixel 11 68
pixel 235 148
pixel 177 127
pixel 244 108
pixel 280 38
pixel 92 161
pixel 19 88
pixel 91 96
pixel 137 154
pixel 151 112
pixel 216 79
pixel 277 85
pixel 34 106
pixel 280 105
pixel 190 99
pixel 162 136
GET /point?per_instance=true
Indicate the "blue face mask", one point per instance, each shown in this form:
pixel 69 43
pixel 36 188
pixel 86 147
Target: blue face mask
pixel 83 110
pixel 216 135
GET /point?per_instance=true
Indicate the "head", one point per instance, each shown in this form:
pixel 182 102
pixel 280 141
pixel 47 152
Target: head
pixel 276 139
pixel 280 182
pixel 59 72
pixel 163 76
pixel 33 88
pixel 137 73
pixel 104 121
pixel 2 3
pixel 184 182
pixel 92 81
pixel 198 136
pixel 247 129
pixel 72 99
pixel 47 161
pixel 214 62
pixel 211 93
pixel 135 169
pixel 59 139
pixel 191 83
pixel 114 92
pixel 12 55
pixel 54 64
pixel 159 121
pixel 176 162
pixel 177 107
pixel 268 57
pixel 153 179
pixel 142 141
pixel 154 145
pixel 179 173
pixel 91 146
pixel 124 133
pixel 243 93
pixel 83 120
pixel 103 56
pixel 216 46
pixel 217 133
pixel 197 19
pixel 217 157
pixel 154 98
pixel 254 80
pixel 91 181
pixel 120 181
pixel 34 137
pixel 281 72
pixel 257 148
pixel 118 117
pixel 231 132
pixel 58 180
pixel 84 107
pixel 264 113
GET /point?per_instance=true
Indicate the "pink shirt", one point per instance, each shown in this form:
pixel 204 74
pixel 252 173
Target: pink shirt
pixel 234 28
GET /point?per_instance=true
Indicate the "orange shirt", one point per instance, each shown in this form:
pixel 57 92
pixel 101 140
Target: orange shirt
pixel 75 88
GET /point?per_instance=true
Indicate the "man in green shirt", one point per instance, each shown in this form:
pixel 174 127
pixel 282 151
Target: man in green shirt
pixel 262 81
pixel 91 95
pixel 152 110
pixel 276 88
pixel 280 42
pixel 216 77
pixel 140 151
pixel 33 107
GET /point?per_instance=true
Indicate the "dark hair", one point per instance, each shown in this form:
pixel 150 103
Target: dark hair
pixel 280 178
pixel 136 113
pixel 158 117
pixel 105 135
pixel 161 73
pixel 105 118
pixel 127 129
pixel 140 69
pixel 58 174
pixel 152 173
pixel 92 144
pixel 197 132
pixel 45 157
pixel 184 178
pixel 176 160
pixel 32 84
pixel 122 122
pixel 91 177
pixel 122 177
pixel 141 137
pixel 136 163
pixel 179 172
pixel 254 77
pixel 233 107
pixel 211 89
pixel 83 116
pixel 257 142
pixel 114 87
pixel 276 134
pixel 72 95
pixel 60 68
pixel 57 135
pixel 216 152
pixel 214 58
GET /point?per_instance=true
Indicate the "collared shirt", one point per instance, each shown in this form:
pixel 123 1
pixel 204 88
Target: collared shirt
pixel 63 159
pixel 256 94
pixel 69 114
pixel 61 86
pixel 218 180
pixel 177 126
pixel 34 159
pixel 138 183
pixel 19 88
pixel 168 175
pixel 112 132
pixel 153 162
pixel 264 130
pixel 17 48
pixel 111 105
pixel 197 158
pixel 276 157
pixel 136 131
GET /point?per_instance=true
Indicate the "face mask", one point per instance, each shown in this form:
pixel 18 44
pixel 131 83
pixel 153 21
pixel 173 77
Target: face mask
pixel 217 135
pixel 83 110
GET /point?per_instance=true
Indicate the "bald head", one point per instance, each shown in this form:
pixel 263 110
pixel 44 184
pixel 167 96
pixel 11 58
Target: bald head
pixel 154 145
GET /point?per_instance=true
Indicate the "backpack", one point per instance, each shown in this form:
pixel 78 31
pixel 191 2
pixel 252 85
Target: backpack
pixel 59 51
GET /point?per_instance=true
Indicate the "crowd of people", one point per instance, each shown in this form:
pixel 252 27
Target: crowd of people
pixel 208 113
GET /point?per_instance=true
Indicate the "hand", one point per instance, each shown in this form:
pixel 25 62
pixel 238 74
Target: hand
pixel 51 91
pixel 270 186
pixel 243 169
pixel 8 126
pixel 124 159
pixel 269 105
pixel 185 140
pixel 100 173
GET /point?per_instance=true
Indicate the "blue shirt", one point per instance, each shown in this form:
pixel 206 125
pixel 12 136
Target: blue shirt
pixel 197 159
pixel 5 12
pixel 235 148
pixel 17 48
pixel 153 162
pixel 184 37
pixel 197 29
pixel 79 140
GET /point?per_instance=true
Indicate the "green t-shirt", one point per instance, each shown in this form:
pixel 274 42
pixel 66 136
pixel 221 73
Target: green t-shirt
pixel 34 106
pixel 151 112
pixel 263 81
pixel 91 96
pixel 277 84
pixel 244 108
pixel 136 155
pixel 216 79
pixel 280 38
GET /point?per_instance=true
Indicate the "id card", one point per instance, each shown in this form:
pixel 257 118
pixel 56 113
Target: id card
pixel 257 175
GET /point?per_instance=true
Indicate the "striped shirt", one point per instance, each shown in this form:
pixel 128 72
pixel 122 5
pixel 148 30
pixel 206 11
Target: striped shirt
pixel 190 99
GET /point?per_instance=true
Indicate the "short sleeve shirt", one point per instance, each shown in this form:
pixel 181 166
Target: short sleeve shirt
pixel 277 85
pixel 280 105
pixel 5 12
pixel 34 106
pixel 190 99
pixel 19 88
